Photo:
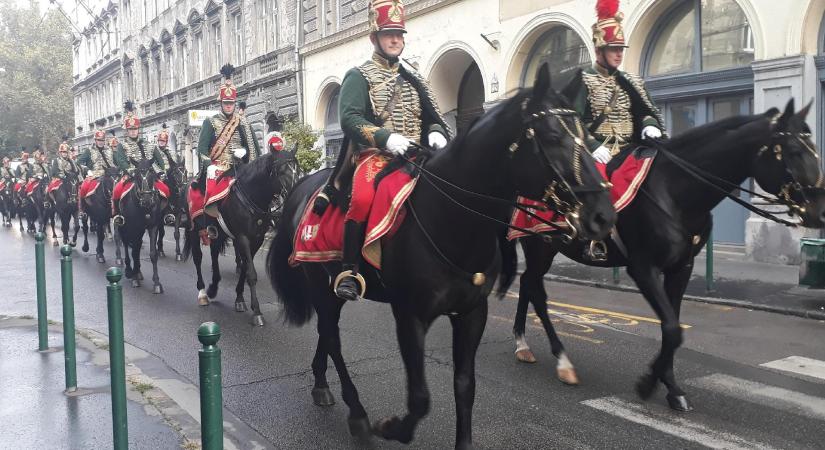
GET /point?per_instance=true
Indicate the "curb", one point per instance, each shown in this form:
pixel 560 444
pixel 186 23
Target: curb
pixel 790 311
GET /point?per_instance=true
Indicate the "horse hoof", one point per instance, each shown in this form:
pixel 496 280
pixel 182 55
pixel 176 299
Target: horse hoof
pixel 158 289
pixel 258 320
pixel 679 403
pixel 135 283
pixel 101 259
pixel 55 243
pixel 73 244
pixel 568 376
pixel 359 427
pixel 525 355
pixel 240 306
pixel 322 397
pixel 203 300
pixel 119 261
pixel 212 291
pixel 646 386
pixel 161 254
pixel 85 248
pixel 179 257
pixel 389 428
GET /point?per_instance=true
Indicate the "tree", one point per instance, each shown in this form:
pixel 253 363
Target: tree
pixel 301 134
pixel 36 75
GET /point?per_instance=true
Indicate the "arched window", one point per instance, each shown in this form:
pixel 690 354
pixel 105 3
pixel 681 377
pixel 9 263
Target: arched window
pixel 563 50
pixel 333 135
pixel 701 36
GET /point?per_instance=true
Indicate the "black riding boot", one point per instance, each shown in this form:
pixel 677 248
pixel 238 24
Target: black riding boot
pixel 349 285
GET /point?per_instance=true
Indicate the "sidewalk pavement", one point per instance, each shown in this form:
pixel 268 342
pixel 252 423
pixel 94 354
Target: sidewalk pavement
pixel 163 408
pixel 736 282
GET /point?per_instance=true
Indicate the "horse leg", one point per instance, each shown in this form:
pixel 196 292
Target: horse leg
pixel 161 233
pixel 649 281
pixel 197 258
pixel 321 395
pixel 244 247
pixel 212 291
pixel 118 242
pixel 99 249
pixel 136 247
pixel 329 313
pixel 76 219
pixel 85 224
pixel 154 236
pixel 467 331
pixel 54 233
pixel 128 271
pixel 240 303
pixel 178 255
pixel 676 282
pixel 64 227
pixel 238 259
pixel 411 333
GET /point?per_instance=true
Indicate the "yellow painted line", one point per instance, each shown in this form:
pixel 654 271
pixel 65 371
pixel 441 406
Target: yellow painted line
pixel 561 333
pixel 610 313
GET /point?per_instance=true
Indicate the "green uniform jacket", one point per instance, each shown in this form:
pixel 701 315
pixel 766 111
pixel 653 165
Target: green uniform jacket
pixel 65 168
pixel 124 164
pixel 24 171
pixel 355 111
pixel 642 109
pixel 209 135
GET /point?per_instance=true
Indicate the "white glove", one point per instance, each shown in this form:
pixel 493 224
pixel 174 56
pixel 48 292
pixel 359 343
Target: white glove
pixel 397 144
pixel 437 140
pixel 211 172
pixel 602 155
pixel 239 152
pixel 651 132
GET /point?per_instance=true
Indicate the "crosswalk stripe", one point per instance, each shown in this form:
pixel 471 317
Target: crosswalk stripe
pixel 800 365
pixel 672 425
pixel 763 394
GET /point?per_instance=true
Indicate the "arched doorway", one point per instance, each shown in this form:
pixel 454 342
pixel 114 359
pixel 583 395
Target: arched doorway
pixel 333 135
pixel 458 86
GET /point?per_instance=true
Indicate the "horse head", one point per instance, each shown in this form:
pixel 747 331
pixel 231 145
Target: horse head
pixel 789 167
pixel 552 164
pixel 283 171
pixel 144 180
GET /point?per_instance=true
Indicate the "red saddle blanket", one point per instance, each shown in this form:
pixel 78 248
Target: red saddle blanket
pixel 54 185
pixel 31 186
pixel 321 238
pixel 626 180
pixel 88 187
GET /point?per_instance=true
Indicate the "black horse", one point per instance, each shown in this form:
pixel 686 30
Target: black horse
pixel 176 213
pixel 246 216
pixel 44 208
pixel 444 257
pixel 7 204
pixel 142 208
pixel 65 205
pixel 98 208
pixel 667 225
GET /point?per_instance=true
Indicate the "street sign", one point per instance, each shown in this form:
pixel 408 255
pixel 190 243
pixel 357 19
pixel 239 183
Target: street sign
pixel 197 116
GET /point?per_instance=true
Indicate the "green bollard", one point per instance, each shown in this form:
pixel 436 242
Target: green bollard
pixel 709 263
pixel 615 275
pixel 69 355
pixel 209 365
pixel 117 360
pixel 40 277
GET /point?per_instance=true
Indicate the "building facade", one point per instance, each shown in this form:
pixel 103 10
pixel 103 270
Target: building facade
pixel 165 55
pixel 702 60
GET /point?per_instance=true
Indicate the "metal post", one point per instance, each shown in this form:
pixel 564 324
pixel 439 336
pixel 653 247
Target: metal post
pixel 117 363
pixel 209 365
pixel 709 263
pixel 68 318
pixel 615 275
pixel 40 277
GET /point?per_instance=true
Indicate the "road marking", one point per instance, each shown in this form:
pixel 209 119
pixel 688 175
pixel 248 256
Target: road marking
pixel 800 365
pixel 672 425
pixel 763 394
pixel 560 333
pixel 610 313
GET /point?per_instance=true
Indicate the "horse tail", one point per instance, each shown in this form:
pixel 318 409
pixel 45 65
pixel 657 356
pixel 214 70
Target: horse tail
pixel 509 264
pixel 289 282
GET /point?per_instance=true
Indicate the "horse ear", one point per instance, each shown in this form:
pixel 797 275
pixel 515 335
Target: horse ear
pixel 789 109
pixel 803 113
pixel 542 84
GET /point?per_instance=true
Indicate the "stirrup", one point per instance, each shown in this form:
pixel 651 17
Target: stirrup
pixel 597 251
pixel 349 275
pixel 169 219
pixel 47 205
pixel 211 231
pixel 119 220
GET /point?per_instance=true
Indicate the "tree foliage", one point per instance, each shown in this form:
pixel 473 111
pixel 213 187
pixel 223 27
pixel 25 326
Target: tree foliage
pixel 36 75
pixel 309 158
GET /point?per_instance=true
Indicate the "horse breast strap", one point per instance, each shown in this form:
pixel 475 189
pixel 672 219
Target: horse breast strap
pixel 223 137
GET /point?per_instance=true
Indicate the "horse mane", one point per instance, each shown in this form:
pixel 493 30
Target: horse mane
pixel 254 170
pixel 707 136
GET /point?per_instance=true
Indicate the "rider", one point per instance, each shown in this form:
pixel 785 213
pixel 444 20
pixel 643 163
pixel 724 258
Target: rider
pixel 226 138
pixel 169 160
pixel 614 105
pixel 97 158
pixel 24 171
pixel 40 171
pixel 384 107
pixel 132 151
pixel 6 174
pixel 63 169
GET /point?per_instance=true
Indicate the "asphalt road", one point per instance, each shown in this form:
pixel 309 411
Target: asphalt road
pixel 757 380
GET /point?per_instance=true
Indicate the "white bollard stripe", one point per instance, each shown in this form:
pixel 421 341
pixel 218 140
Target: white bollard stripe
pixel 672 425
pixel 799 365
pixel 763 394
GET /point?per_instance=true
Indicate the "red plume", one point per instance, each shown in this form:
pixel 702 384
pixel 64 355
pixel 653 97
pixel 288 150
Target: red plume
pixel 606 9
